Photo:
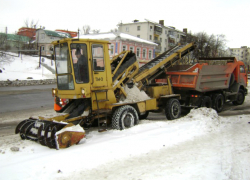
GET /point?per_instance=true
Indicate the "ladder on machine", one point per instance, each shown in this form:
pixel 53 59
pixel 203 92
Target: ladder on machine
pixel 102 121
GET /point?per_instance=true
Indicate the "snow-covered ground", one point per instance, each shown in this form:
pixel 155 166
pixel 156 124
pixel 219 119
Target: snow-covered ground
pixel 200 145
pixel 24 67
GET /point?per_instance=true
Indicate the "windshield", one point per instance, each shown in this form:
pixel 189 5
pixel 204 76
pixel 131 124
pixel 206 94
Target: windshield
pixel 63 67
pixel 80 62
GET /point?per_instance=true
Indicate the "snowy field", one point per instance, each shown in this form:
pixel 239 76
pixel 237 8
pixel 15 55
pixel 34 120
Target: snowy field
pixel 200 145
pixel 23 67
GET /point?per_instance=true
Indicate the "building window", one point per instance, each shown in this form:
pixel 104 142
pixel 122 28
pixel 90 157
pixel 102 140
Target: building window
pixel 138 36
pixel 42 36
pixel 127 29
pixel 131 48
pixel 124 48
pixel 166 32
pixel 138 52
pixel 138 28
pixel 151 27
pixel 150 54
pixel 144 52
pixel 111 49
pixel 150 37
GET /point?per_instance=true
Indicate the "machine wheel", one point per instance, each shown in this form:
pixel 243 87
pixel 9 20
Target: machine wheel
pixel 206 102
pixel 125 117
pixel 173 109
pixel 240 98
pixel 144 116
pixel 218 102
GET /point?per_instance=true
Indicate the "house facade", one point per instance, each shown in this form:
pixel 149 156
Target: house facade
pixel 119 42
pixel 165 36
pixel 45 37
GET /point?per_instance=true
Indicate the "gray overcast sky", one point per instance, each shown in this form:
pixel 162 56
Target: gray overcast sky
pixel 228 17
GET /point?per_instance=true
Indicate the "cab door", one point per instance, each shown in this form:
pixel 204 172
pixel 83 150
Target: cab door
pixel 243 75
pixel 98 66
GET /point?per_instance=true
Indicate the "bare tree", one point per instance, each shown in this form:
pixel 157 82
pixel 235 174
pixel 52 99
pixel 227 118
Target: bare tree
pixel 30 24
pixel 86 29
pixel 207 45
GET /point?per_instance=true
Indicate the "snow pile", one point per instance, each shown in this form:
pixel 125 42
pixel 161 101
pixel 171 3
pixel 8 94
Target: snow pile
pixel 135 95
pixel 207 119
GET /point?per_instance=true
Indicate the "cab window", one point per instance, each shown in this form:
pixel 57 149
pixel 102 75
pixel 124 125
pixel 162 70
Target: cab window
pixel 98 57
pixel 242 69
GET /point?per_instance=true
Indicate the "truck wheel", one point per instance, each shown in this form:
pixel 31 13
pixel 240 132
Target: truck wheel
pixel 240 98
pixel 124 117
pixel 173 109
pixel 218 102
pixel 144 116
pixel 206 102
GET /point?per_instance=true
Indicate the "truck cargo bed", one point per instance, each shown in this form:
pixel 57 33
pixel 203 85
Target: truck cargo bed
pixel 202 77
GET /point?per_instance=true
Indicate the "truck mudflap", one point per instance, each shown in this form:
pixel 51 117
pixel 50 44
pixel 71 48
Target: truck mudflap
pixel 52 134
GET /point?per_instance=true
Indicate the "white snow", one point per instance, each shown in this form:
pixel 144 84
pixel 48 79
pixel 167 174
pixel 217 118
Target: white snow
pixel 200 145
pixel 23 67
pixel 134 95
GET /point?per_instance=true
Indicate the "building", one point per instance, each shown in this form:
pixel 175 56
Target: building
pixel 45 37
pixel 242 54
pixel 165 36
pixel 72 33
pixel 28 32
pixel 119 42
pixel 13 41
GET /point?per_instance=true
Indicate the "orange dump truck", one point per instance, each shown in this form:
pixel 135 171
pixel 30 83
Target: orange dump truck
pixel 210 83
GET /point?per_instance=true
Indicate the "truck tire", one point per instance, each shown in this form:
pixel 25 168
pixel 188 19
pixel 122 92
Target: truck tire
pixel 206 102
pixel 240 98
pixel 173 109
pixel 218 102
pixel 124 117
pixel 144 116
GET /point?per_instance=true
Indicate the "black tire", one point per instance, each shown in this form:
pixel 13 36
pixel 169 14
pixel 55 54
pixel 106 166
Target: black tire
pixel 218 102
pixel 144 116
pixel 173 109
pixel 125 117
pixel 240 98
pixel 206 102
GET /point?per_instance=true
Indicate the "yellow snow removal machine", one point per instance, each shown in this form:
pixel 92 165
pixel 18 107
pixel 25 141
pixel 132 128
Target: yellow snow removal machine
pixel 95 89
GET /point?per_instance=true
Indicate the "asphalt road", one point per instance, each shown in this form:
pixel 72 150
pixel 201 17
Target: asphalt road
pixel 19 103
pixel 25 97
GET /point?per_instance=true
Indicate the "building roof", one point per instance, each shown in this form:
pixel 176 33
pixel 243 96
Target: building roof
pixel 14 37
pixel 114 36
pixel 56 33
pixel 72 33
